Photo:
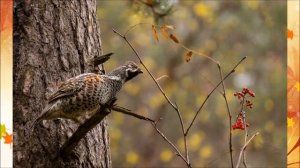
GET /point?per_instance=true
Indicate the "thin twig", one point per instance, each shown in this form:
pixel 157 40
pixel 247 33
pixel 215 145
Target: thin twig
pixel 246 135
pixel 201 54
pixel 229 115
pixel 171 144
pixel 244 147
pixel 140 60
pixel 128 112
pixel 153 123
pixel 246 130
pixel 184 136
pixel 200 108
pixel 174 106
pixel 132 27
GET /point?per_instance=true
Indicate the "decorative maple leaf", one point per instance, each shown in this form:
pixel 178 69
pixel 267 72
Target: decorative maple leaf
pixel 2 130
pixel 290 122
pixel 290 34
pixel 8 138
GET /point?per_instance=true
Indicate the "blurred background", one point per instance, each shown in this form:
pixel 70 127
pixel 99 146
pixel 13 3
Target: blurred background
pixel 226 31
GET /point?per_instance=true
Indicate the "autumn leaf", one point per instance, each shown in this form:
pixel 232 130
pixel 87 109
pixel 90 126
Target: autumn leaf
pixel 8 138
pixel 164 32
pixel 188 56
pixel 290 122
pixel 2 130
pixel 155 33
pixel 290 34
pixel 174 38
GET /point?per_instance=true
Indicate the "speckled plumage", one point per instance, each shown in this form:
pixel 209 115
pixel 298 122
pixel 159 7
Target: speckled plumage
pixel 80 97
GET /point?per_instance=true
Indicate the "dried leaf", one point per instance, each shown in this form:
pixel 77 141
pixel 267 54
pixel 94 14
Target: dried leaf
pixel 164 32
pixel 168 27
pixel 174 38
pixel 155 33
pixel 188 56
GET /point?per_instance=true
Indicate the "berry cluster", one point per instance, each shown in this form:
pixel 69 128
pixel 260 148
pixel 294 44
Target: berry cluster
pixel 243 94
pixel 239 124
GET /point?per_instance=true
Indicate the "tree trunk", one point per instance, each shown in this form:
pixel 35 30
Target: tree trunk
pixel 53 39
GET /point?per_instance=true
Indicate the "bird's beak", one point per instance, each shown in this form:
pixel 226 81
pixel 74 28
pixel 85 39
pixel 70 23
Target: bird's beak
pixel 140 71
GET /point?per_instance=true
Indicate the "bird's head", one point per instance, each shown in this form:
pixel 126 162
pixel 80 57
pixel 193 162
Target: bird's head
pixel 127 71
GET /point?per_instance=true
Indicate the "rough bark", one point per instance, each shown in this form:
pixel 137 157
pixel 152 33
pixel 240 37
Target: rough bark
pixel 53 39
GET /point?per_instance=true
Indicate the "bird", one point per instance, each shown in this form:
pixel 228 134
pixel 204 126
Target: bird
pixel 80 97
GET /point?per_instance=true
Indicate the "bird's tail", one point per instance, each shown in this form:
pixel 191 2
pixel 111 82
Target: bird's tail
pixel 37 121
pixel 43 116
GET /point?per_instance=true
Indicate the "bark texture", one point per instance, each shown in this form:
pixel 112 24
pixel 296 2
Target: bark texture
pixel 53 39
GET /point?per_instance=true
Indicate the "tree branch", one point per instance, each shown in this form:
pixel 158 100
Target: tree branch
pixel 128 112
pixel 200 108
pixel 173 105
pixel 82 130
pixel 229 114
pixel 153 123
pixel 171 144
pixel 244 147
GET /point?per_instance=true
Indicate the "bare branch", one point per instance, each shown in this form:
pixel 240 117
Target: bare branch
pixel 200 108
pixel 174 106
pixel 229 114
pixel 128 112
pixel 244 147
pixel 154 123
pixel 170 143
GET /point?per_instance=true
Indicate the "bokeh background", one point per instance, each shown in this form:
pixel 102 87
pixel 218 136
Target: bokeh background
pixel 226 31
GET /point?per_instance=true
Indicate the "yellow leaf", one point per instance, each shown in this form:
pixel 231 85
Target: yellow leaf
pixel 132 157
pixel 290 122
pixel 166 155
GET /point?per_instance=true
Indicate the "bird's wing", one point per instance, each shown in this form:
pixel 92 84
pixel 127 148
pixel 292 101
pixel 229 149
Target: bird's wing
pixel 69 87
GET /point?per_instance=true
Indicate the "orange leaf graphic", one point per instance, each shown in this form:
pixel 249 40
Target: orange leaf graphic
pixel 155 33
pixel 188 56
pixel 8 138
pixel 290 34
pixel 174 38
